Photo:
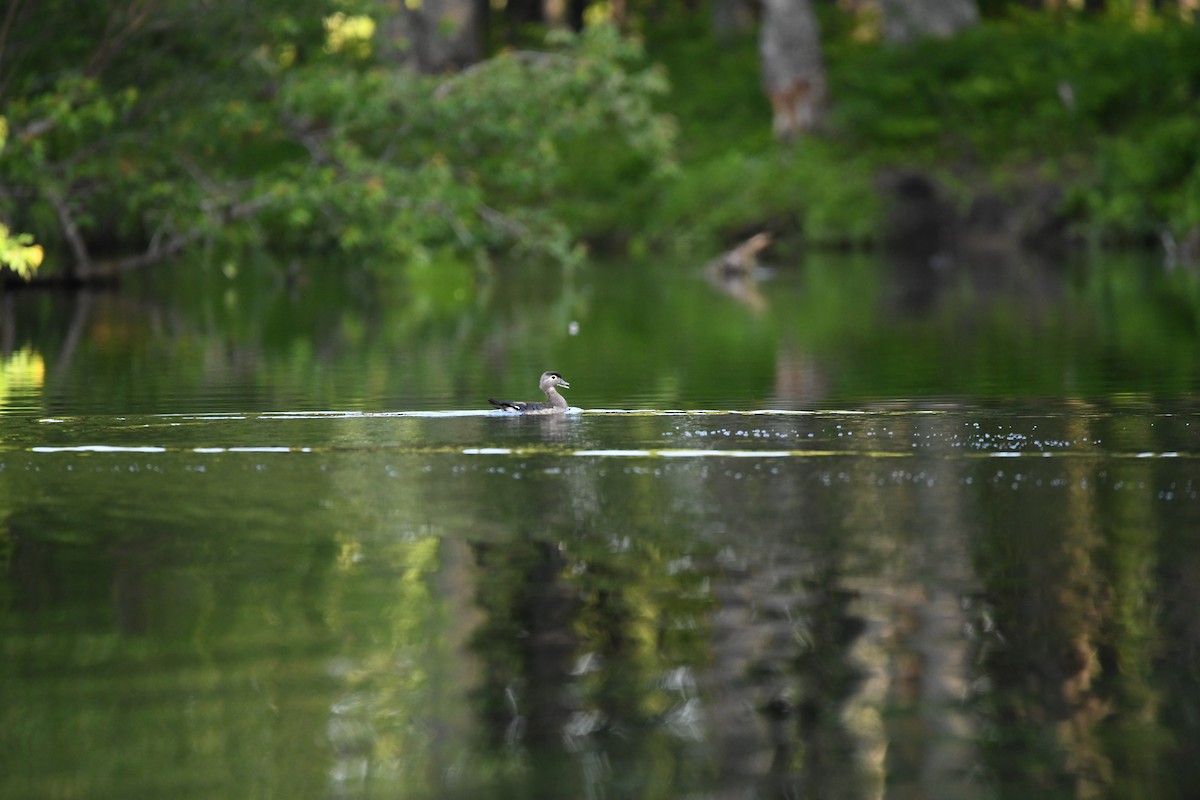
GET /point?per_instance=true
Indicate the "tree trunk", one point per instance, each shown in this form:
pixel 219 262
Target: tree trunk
pixel 435 35
pixel 525 12
pixel 575 11
pixel 907 20
pixel 564 14
pixel 793 68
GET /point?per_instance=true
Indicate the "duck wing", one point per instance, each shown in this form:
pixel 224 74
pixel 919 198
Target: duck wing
pixel 515 405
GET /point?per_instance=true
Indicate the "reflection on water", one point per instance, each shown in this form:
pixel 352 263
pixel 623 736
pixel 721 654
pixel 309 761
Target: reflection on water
pixel 856 530
pixel 950 603
pixel 827 333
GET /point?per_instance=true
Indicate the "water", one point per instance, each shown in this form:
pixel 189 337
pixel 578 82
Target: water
pixel 309 564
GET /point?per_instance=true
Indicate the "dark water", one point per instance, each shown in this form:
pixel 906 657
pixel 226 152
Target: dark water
pixel 936 547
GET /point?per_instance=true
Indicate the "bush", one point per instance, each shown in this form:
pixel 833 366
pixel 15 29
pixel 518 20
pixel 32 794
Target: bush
pixel 287 144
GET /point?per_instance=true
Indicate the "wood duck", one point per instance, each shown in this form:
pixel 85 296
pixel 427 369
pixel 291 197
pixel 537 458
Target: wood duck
pixel 555 402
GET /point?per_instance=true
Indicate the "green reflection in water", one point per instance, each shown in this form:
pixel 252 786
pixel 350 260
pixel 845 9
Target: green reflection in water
pixel 239 597
pixel 372 605
pixel 830 331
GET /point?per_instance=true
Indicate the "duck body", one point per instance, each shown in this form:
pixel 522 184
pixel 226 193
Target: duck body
pixel 555 402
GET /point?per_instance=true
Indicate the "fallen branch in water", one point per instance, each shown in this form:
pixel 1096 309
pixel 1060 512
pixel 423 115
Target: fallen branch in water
pixel 741 260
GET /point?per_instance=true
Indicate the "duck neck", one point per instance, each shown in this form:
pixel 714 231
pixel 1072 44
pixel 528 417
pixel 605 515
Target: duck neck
pixel 556 400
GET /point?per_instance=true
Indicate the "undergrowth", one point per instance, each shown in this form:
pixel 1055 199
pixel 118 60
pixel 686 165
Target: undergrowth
pixel 1108 111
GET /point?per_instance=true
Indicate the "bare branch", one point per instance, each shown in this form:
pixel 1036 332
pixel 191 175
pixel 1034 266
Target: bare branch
pixel 120 28
pixel 501 222
pixel 35 129
pixel 70 229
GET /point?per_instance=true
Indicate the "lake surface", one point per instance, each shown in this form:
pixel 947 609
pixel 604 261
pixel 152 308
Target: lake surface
pixel 842 533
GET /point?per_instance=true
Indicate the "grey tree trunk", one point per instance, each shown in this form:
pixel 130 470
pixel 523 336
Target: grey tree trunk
pixel 434 35
pixel 793 67
pixel 906 20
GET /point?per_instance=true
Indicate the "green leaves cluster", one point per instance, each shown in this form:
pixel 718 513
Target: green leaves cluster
pixel 1034 87
pixel 17 251
pixel 1151 180
pixel 1103 105
pixel 252 128
pixel 402 165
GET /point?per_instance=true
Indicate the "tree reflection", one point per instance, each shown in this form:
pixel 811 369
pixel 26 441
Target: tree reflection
pixel 525 643
pixel 1073 586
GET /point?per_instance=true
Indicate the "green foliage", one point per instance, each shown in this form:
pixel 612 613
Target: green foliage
pixel 287 135
pixel 1104 106
pixel 734 177
pixel 1150 181
pixel 280 129
pixel 806 189
pixel 17 251
pixel 471 162
pixel 1007 90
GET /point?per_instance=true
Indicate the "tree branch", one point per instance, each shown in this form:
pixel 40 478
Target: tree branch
pixel 70 229
pixel 159 250
pixel 120 28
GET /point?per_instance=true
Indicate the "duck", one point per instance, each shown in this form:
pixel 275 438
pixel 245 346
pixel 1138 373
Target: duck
pixel 555 402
